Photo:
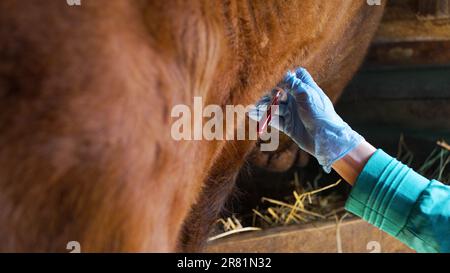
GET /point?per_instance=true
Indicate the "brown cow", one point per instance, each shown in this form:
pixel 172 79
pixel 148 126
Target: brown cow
pixel 86 94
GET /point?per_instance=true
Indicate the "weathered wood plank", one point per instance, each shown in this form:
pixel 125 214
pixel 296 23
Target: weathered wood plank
pixel 409 53
pixel 356 236
pixel 414 98
pixel 410 21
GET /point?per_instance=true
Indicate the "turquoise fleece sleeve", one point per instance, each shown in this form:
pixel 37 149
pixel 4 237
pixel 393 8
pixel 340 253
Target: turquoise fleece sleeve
pixel 399 201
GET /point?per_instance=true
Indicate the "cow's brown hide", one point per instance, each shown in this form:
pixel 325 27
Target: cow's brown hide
pixel 332 56
pixel 86 94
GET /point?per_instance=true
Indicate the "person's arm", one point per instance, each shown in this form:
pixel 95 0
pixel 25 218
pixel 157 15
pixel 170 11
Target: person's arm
pixel 351 165
pixel 394 198
pixel 399 201
pixel 386 193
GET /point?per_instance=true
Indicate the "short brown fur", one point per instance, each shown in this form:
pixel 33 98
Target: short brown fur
pixel 86 94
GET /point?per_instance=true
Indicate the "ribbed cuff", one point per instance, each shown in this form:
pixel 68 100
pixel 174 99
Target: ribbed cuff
pixel 385 193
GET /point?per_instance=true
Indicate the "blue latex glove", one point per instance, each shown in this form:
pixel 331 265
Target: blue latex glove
pixel 307 116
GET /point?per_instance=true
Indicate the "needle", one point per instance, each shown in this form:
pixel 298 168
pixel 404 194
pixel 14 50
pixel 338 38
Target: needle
pixel 269 112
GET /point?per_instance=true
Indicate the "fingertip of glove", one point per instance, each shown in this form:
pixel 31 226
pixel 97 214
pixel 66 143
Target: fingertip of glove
pixel 296 83
pixel 289 78
pixel 304 75
pixel 301 71
pixel 327 169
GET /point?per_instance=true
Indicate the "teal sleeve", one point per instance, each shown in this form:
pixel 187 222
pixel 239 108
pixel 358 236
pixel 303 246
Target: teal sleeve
pixel 399 201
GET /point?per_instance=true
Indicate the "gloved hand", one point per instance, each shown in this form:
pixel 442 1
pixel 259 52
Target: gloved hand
pixel 307 115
